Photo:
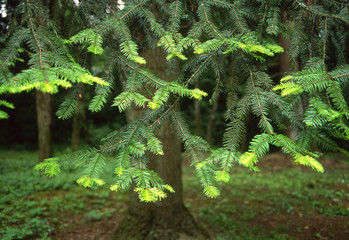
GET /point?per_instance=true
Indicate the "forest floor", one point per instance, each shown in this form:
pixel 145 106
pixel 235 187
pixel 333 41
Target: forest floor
pixel 283 201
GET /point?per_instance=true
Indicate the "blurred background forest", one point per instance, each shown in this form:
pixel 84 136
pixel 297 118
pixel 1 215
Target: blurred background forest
pixel 284 201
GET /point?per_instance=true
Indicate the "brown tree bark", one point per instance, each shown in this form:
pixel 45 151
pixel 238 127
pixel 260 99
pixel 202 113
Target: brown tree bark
pixel 77 119
pixel 197 113
pixel 44 117
pixel 167 219
pixel 75 139
pixel 212 119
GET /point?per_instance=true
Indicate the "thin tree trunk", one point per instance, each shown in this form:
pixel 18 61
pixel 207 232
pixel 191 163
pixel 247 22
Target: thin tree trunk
pixel 75 140
pixel 43 112
pixel 167 219
pixel 197 113
pixel 77 119
pixel 284 59
pixel 85 127
pixel 212 119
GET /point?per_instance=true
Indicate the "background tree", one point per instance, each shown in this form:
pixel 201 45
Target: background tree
pixel 34 37
pixel 44 119
pixel 231 43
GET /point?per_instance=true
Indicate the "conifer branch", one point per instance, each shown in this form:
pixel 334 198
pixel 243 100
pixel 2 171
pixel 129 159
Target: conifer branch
pixel 196 31
pixel 187 141
pixel 201 67
pixel 233 138
pixel 95 164
pixel 340 3
pixel 186 138
pixel 35 37
pixel 175 16
pixel 97 103
pixel 67 108
pixel 132 134
pixel 216 90
pixel 257 98
pixel 227 4
pixel 170 108
pixel 88 13
pixel 290 114
pixel 15 41
pixel 209 22
pixel 160 31
pixel 263 22
pixel 139 71
pixel 322 14
pixel 341 75
pixel 120 18
pixel 237 17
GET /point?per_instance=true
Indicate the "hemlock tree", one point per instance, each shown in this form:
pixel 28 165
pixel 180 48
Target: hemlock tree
pixel 162 48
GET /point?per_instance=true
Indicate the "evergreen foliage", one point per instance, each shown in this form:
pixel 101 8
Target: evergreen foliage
pixel 233 39
pixel 4 103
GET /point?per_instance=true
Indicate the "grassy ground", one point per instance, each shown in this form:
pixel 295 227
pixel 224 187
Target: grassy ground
pixel 281 202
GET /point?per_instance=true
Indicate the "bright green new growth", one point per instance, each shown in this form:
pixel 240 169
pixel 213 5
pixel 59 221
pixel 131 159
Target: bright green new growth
pixel 246 43
pixel 231 44
pixel 309 161
pixel 89 181
pixel 90 37
pixel 49 166
pixel 130 49
pixel 222 176
pixel 50 64
pixel 212 191
pixel 327 105
pixel 4 103
pixel 174 44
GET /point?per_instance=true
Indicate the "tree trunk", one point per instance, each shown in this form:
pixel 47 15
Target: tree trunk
pixel 212 119
pixel 75 139
pixel 167 219
pixel 284 59
pixel 197 113
pixel 77 119
pixel 43 112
